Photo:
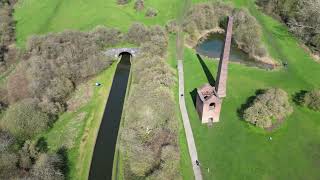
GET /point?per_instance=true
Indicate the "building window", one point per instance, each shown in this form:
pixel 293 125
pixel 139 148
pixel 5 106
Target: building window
pixel 212 106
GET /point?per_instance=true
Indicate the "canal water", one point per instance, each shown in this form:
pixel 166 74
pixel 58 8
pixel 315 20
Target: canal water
pixel 212 47
pixel 104 150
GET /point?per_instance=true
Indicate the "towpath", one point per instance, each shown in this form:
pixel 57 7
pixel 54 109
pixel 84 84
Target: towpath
pixel 186 123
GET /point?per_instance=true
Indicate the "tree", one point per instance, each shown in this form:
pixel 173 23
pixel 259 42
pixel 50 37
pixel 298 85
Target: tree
pixel 6 139
pixel 47 167
pixel 8 165
pixel 138 34
pixel 17 86
pixel 268 108
pixel 139 5
pixel 151 12
pixel 312 99
pixel 24 119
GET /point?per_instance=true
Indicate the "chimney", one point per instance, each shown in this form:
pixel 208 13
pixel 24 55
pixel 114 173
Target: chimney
pixel 221 82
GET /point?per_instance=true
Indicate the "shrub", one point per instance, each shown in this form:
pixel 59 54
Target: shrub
pixel 47 167
pixel 7 26
pixel 8 165
pixel 268 108
pixel 6 139
pixel 172 27
pixel 138 34
pixel 24 119
pixel 312 99
pixel 17 86
pixel 106 37
pixel 122 2
pixel 139 5
pixel 151 12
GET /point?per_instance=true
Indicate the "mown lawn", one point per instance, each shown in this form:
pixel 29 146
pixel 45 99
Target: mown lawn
pixel 232 149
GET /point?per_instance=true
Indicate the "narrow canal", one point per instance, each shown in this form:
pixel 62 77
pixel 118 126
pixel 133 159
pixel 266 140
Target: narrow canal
pixel 104 150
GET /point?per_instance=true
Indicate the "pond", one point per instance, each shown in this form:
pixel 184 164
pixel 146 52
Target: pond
pixel 213 45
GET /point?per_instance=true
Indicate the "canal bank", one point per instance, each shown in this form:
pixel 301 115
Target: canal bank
pixel 103 156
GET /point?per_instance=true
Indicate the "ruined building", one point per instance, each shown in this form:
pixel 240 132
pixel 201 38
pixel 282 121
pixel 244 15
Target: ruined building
pixel 209 98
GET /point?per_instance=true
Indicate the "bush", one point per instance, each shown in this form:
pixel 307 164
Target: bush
pixel 139 5
pixel 6 139
pixel 8 165
pixel 17 86
pixel 122 2
pixel 312 99
pixel 172 27
pixel 268 108
pixel 151 12
pixel 138 34
pixel 47 167
pixel 24 119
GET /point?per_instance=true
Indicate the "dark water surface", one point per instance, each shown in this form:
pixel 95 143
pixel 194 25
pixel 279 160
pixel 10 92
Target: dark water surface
pixel 104 150
pixel 212 47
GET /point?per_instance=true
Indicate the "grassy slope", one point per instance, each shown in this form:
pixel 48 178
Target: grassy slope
pixel 80 134
pixel 234 150
pixel 34 17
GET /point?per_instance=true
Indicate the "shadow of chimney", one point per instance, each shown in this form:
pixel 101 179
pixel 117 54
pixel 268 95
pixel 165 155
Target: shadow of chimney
pixel 206 70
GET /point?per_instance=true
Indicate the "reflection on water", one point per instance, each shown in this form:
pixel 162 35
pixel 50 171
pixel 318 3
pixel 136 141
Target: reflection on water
pixel 104 150
pixel 212 47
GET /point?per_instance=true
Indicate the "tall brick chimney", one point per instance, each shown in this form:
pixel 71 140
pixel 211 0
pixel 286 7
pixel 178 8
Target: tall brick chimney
pixel 209 98
pixel 222 75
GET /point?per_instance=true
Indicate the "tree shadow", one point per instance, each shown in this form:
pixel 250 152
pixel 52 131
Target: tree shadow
pixel 42 144
pixel 193 94
pixel 206 70
pixel 248 103
pixel 63 153
pixel 298 97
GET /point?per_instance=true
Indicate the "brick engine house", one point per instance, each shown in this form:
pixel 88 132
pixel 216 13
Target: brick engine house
pixel 209 98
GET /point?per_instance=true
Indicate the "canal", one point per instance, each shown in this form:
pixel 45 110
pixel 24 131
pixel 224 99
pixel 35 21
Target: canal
pixel 104 150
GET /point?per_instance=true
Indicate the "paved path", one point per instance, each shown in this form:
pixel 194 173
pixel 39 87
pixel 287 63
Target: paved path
pixel 186 123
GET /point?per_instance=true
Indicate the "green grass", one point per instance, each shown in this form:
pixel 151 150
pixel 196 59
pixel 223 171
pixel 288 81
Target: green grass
pixel 232 149
pixel 39 17
pixel 79 134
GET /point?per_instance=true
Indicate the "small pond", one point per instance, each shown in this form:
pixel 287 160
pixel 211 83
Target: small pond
pixel 213 45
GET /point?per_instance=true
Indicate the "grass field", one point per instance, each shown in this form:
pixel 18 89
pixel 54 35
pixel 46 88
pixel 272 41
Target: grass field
pixel 39 17
pixel 232 149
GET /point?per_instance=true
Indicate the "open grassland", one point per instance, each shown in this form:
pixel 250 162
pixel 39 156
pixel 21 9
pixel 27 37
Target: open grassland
pixel 77 130
pixel 232 149
pixel 39 17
